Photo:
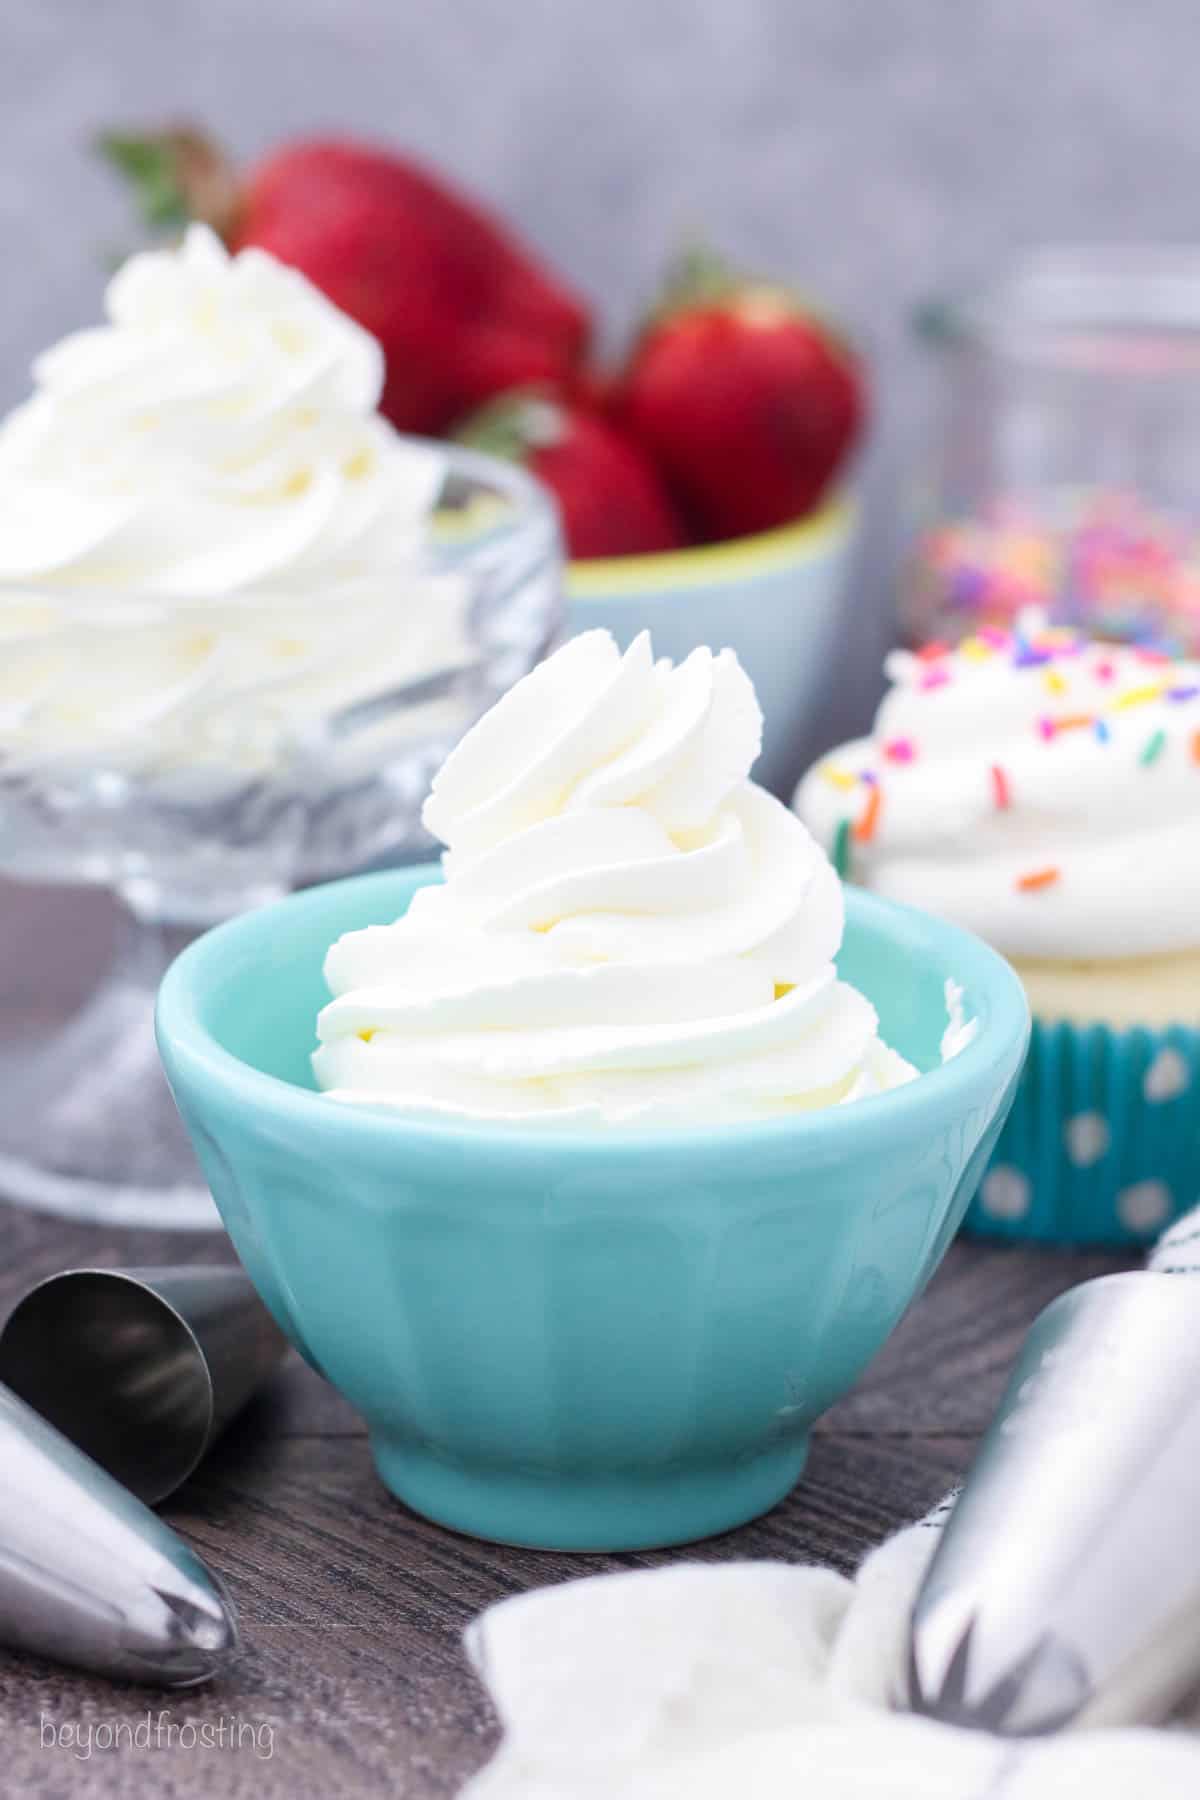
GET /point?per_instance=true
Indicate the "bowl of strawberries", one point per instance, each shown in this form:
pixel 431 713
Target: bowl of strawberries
pixel 702 483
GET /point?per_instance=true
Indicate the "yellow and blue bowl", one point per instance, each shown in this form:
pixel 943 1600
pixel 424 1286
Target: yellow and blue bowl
pixel 582 1341
pixel 775 598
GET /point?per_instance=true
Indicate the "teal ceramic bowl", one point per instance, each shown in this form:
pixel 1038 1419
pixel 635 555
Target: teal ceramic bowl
pixel 775 598
pixel 577 1341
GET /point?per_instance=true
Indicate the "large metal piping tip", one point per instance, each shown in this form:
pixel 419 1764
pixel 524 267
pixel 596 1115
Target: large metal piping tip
pixel 142 1368
pixel 1042 1692
pixel 1065 1590
pixel 90 1576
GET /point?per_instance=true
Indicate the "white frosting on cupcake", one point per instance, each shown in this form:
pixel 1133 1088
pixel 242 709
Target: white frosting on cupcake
pixel 1041 789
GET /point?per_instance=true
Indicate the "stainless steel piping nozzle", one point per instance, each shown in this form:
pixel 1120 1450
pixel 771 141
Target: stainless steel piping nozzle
pixel 90 1576
pixel 1066 1587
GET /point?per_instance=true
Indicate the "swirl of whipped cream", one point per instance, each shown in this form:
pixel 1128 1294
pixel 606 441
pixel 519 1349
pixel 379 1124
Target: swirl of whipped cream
pixel 199 499
pixel 1040 788
pixel 218 434
pixel 629 929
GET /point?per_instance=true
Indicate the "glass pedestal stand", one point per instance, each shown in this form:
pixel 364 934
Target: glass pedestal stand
pixel 88 1128
pixel 198 798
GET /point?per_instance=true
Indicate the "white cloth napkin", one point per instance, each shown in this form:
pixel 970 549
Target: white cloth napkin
pixel 760 1680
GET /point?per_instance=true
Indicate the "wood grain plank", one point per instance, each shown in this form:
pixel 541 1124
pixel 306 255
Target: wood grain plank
pixel 945 1366
pixel 353 1609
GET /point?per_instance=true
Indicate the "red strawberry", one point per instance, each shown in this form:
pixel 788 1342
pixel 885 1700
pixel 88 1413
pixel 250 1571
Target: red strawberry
pixel 610 497
pixel 463 311
pixel 747 403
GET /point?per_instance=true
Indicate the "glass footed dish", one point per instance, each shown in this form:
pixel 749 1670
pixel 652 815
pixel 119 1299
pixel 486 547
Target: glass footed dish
pixel 202 759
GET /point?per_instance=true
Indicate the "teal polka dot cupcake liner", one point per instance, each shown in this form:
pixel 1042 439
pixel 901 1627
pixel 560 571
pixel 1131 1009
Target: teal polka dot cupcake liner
pixel 1103 1142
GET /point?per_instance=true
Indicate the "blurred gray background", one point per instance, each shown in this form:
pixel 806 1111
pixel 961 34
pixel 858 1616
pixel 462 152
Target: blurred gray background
pixel 874 151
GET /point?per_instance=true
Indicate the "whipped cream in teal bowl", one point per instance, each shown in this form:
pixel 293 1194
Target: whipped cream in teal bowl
pixel 603 1337
pixel 593 1165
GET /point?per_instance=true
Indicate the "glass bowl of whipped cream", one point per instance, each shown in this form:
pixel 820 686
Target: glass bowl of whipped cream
pixel 242 622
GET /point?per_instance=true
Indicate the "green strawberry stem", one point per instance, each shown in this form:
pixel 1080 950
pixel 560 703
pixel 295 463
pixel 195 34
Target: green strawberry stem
pixel 700 276
pixel 176 176
pixel 513 424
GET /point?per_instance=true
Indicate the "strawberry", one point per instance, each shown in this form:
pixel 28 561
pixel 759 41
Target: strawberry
pixel 611 499
pixel 462 310
pixel 748 405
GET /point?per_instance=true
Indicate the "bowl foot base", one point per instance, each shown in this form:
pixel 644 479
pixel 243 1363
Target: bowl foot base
pixel 589 1512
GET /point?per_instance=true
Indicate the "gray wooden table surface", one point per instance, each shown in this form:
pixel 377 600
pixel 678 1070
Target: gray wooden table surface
pixel 352 1678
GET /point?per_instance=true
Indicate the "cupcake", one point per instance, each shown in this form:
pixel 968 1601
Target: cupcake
pixel 1043 789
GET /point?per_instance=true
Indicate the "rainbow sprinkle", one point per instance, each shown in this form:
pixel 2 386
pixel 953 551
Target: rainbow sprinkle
pixel 1073 722
pixel 936 678
pixel 865 828
pixel 839 778
pixel 1140 696
pixel 1037 879
pixel 900 750
pixel 840 854
pixel 1154 749
pixel 1001 791
pixel 1102 731
pixel 1196 746
pixel 1053 682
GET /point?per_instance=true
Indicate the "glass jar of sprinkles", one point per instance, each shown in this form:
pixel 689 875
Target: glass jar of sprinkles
pixel 1065 471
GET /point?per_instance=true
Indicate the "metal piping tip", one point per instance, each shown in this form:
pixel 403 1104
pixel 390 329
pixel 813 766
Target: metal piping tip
pixel 89 1576
pixel 141 1368
pixel 1064 1590
pixel 201 1627
pixel 1042 1692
